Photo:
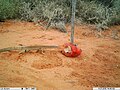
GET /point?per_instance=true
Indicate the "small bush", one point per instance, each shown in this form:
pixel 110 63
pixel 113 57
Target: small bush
pixel 116 12
pixel 25 12
pixel 8 9
pixel 98 12
pixel 91 12
pixel 41 10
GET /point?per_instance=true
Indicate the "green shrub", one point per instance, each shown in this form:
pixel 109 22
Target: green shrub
pixel 40 9
pixel 25 12
pixel 8 9
pixel 116 12
pixel 96 12
pixel 91 12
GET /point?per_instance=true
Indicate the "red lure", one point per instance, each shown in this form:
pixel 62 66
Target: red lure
pixel 71 50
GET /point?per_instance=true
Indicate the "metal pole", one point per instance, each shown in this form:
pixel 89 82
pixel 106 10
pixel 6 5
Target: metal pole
pixel 72 20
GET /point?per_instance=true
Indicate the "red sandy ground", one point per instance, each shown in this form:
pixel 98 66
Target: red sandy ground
pixel 98 65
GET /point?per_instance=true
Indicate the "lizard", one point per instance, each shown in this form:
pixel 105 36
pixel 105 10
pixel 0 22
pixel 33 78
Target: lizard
pixel 27 48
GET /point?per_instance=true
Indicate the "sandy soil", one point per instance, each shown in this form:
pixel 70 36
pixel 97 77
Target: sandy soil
pixel 97 66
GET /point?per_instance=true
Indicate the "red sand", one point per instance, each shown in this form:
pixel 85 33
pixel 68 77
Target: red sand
pixel 98 65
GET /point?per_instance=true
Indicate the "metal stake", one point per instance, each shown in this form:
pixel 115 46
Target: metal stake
pixel 73 20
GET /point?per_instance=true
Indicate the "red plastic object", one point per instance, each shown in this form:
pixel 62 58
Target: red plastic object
pixel 71 50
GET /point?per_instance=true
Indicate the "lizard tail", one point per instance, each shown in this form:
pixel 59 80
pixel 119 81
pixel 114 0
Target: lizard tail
pixel 26 47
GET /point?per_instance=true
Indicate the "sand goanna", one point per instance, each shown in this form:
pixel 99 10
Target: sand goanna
pixel 27 48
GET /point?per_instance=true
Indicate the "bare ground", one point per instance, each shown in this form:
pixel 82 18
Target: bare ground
pixel 97 66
